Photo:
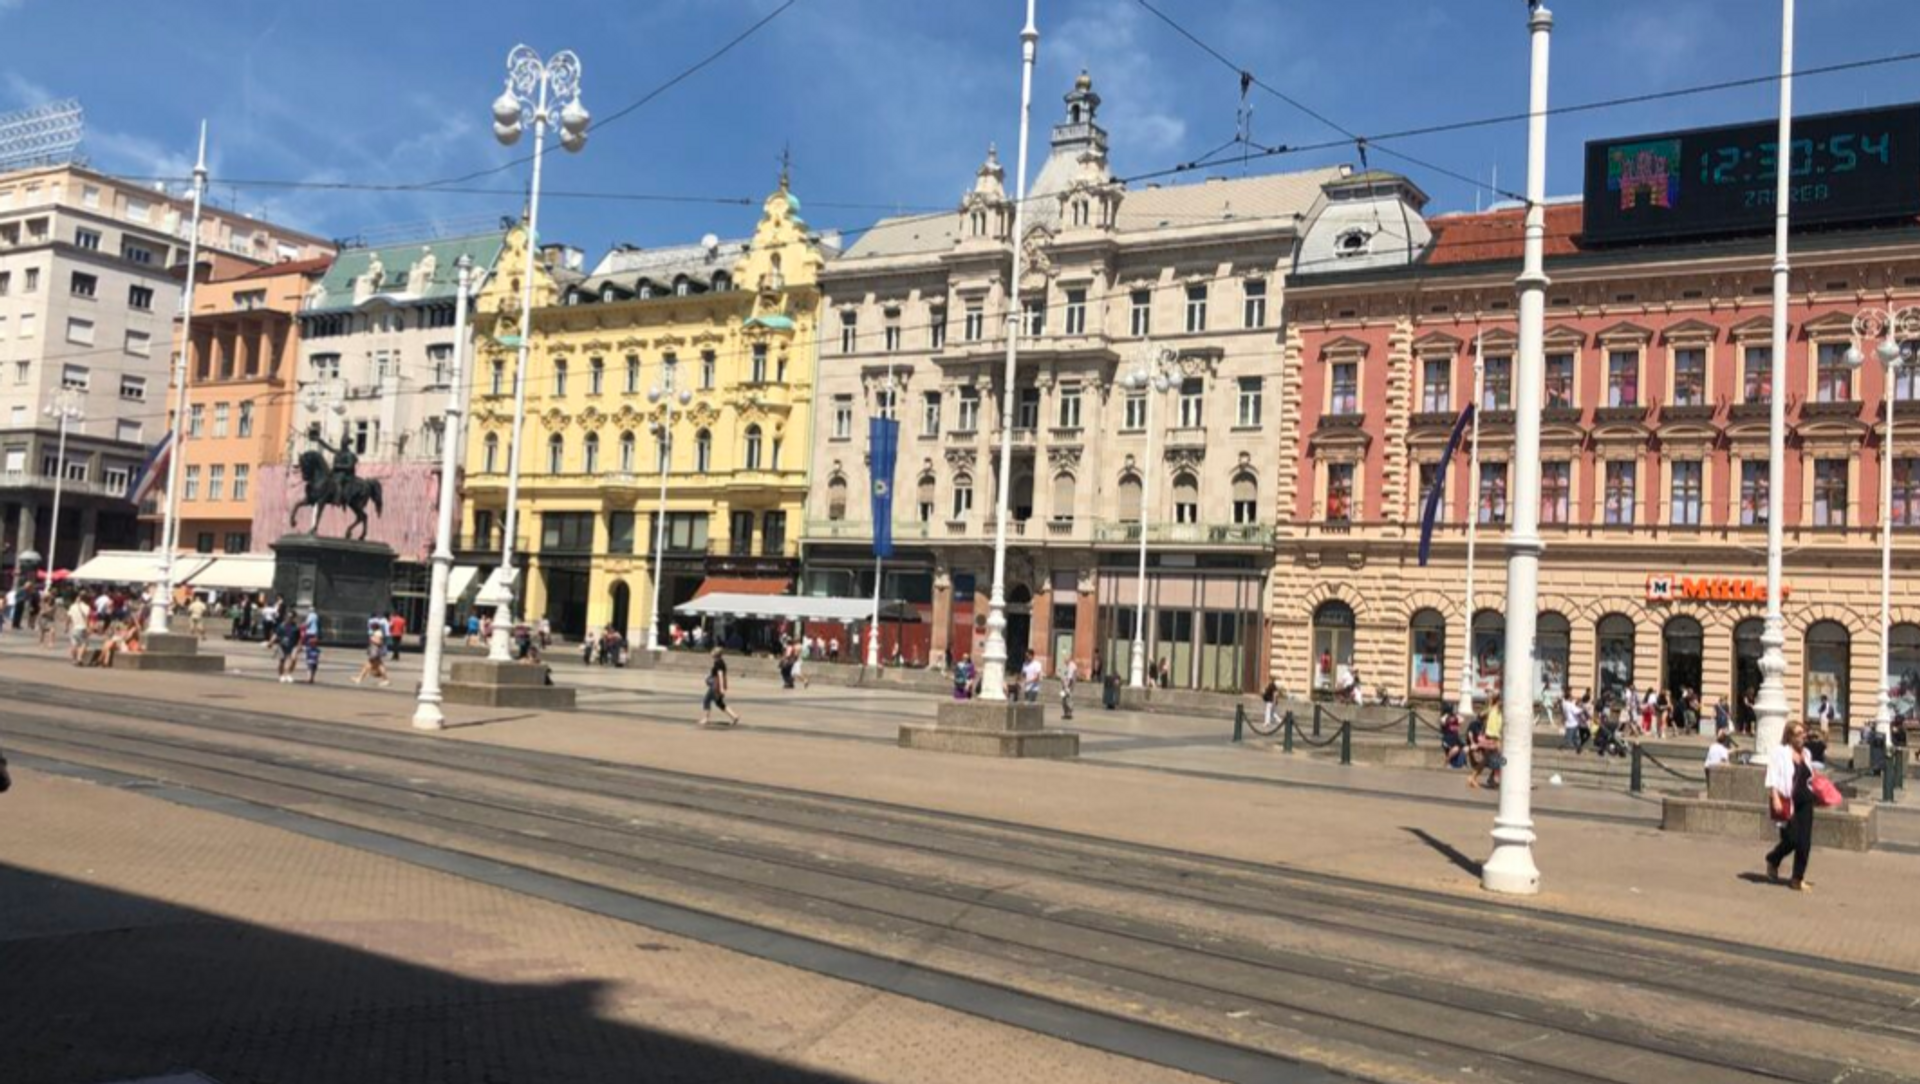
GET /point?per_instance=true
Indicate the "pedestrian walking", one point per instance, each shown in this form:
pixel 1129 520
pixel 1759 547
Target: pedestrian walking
pixel 396 633
pixel 798 671
pixel 310 647
pixel 1570 720
pixel 717 691
pixel 1790 802
pixel 473 630
pixel 1030 674
pixel 196 617
pixel 546 633
pixel 376 664
pixel 79 617
pixel 963 678
pixel 1270 703
pixel 785 665
pixel 1069 675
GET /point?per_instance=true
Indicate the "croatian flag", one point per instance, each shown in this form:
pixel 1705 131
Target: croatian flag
pixel 883 446
pixel 153 470
pixel 1432 513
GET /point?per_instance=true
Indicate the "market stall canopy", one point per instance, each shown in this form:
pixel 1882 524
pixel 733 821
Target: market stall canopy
pixel 136 566
pixel 459 578
pixel 740 585
pixel 235 572
pixel 794 607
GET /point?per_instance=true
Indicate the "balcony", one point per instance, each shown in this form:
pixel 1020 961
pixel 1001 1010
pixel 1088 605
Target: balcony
pixel 862 530
pixel 19 479
pixel 1060 528
pixel 1186 437
pixel 1185 534
pixel 1016 528
pixel 1023 436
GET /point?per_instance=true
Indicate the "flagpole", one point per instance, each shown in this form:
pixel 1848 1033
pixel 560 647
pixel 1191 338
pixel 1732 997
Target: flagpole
pixel 1770 706
pixel 1465 707
pixel 873 629
pixel 170 525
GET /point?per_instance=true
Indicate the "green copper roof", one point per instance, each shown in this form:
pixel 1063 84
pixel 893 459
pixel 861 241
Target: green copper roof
pixel 777 322
pixel 397 263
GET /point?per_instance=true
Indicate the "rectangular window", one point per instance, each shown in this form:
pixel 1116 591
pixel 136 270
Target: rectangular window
pixel 1623 378
pixel 1070 407
pixel 1690 377
pixel 1493 493
pixel 87 239
pixel 236 542
pixel 76 470
pixel 1754 479
pixel 197 421
pixel 1619 492
pixel 366 436
pixel 139 210
pixel 139 344
pixel 6 283
pixel 633 375
pixel 1906 492
pixel 1687 487
pixel 85 285
pixel 1829 493
pixel 937 327
pixel 440 356
pixel 1344 397
pixel 1255 312
pixel 217 482
pixel 221 412
pixel 33 280
pixel 1135 412
pixel 1436 385
pixel 76 377
pixel 1140 313
pixel 1833 377
pixel 1193 405
pixel 1556 492
pixel 28 326
pixel 709 366
pixel 773 534
pixel 975 327
pixel 191 491
pixel 843 417
pixel 115 479
pixel 884 401
pixel 1026 409
pixel 1077 312
pixel 79 331
pixel 740 534
pixel 849 332
pixel 127 432
pixel 1247 408
pixel 962 497
pixel 969 410
pixel 1197 307
pixel 560 379
pixel 22 371
pixel 930 414
pixel 1559 371
pixel 246 419
pixel 1496 376
pixel 240 474
pixel 620 532
pixel 1339 492
pixel 90 197
pixel 1758 385
pixel 566 531
pixel 1033 311
pixel 133 387
pixel 759 362
pixel 139 254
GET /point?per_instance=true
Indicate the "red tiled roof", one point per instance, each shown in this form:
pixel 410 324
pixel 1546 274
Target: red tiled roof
pixel 316 266
pixel 740 585
pixel 1497 235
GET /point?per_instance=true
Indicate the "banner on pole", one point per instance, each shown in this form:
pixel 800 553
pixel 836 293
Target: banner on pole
pixel 1431 514
pixel 883 446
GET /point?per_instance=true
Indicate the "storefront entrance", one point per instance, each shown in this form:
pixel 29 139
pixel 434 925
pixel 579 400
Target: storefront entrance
pixel 1683 647
pixel 566 600
pixel 622 605
pixel 1332 647
pixel 1746 671
pixel 1614 642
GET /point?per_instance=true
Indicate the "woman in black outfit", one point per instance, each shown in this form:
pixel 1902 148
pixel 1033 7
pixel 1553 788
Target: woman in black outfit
pixel 1790 797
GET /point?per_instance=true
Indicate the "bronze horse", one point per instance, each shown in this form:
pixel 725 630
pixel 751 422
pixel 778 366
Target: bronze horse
pixel 325 488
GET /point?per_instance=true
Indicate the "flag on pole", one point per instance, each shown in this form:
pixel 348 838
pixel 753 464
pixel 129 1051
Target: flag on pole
pixel 152 470
pixel 1432 513
pixel 883 446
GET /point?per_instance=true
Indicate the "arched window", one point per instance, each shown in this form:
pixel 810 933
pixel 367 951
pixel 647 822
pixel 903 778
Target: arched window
pixel 1186 498
pixel 1683 647
pixel 1489 658
pixel 722 281
pixel 560 378
pixel 606 292
pixel 837 499
pixel 1552 643
pixel 962 496
pixel 1427 648
pixel 596 376
pixel 490 454
pixel 1903 668
pixel 924 499
pixel 1333 646
pixel 753 447
pixel 1614 641
pixel 626 453
pixel 590 454
pixel 556 453
pixel 702 451
pixel 1828 646
pixel 1063 494
pixel 1127 498
pixel 1246 499
pixel 1020 504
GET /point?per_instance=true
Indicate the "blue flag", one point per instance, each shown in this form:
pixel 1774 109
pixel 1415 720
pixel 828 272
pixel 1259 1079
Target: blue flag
pixel 1432 513
pixel 883 447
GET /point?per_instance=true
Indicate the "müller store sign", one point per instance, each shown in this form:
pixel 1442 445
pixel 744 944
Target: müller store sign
pixel 1666 587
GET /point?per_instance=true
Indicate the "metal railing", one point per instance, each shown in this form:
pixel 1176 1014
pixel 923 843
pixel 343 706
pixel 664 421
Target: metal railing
pixel 1188 534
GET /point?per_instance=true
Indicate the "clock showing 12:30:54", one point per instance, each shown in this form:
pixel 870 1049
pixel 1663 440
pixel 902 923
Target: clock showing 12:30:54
pixel 1834 154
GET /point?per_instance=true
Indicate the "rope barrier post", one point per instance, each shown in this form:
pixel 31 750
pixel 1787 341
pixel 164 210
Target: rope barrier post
pixel 1316 720
pixel 1634 781
pixel 1413 735
pixel 1346 743
pixel 1286 740
pixel 1887 779
pixel 1239 720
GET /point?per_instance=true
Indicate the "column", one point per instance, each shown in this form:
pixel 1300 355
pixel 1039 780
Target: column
pixel 1086 618
pixel 1040 623
pixel 89 534
pixel 942 616
pixel 29 527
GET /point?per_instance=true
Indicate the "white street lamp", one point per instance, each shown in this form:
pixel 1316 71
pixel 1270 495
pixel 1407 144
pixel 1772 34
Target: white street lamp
pixel 428 715
pixel 993 657
pixel 1896 329
pixel 66 412
pixel 1770 704
pixel 176 448
pixel 672 402
pixel 1465 708
pixel 1510 868
pixel 1150 376
pixel 534 88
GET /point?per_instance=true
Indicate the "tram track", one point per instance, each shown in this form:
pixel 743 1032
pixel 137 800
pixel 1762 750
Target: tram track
pixel 1190 975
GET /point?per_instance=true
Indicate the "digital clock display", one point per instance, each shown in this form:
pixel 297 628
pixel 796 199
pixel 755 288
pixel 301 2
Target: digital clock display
pixel 1859 166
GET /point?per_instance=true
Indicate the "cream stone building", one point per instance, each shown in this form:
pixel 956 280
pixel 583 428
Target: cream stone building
pixel 1192 272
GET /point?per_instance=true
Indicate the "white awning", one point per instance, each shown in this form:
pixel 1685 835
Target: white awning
pixel 135 566
pixel 459 578
pixel 797 607
pixel 235 572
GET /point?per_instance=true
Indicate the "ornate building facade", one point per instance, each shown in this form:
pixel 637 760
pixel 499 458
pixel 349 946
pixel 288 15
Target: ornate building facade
pixel 916 313
pixel 729 324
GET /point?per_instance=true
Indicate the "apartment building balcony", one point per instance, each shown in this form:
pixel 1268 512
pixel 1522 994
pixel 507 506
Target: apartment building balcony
pixel 1184 438
pixel 1242 535
pixel 836 530
pixel 1024 436
pixel 750 480
pixel 18 479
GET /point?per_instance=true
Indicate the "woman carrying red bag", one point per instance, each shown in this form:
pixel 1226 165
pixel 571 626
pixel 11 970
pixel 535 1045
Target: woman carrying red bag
pixel 1792 783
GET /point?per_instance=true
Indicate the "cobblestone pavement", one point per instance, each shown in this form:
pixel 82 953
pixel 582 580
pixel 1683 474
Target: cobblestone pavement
pixel 138 937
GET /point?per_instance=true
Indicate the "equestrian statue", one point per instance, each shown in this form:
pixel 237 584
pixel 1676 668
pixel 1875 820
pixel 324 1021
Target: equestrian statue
pixel 337 484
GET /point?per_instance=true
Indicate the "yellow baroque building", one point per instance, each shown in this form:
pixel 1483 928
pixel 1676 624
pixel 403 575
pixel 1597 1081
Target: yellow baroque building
pixel 699 356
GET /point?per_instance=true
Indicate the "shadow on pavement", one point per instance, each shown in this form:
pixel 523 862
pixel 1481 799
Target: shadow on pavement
pixel 103 985
pixel 1453 854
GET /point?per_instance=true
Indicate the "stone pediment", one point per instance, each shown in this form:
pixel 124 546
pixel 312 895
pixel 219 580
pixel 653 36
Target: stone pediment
pixel 1436 341
pixel 1565 338
pixel 1346 346
pixel 1624 332
pixel 1690 331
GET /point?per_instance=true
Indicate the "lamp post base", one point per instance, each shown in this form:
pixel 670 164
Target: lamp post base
pixel 505 685
pixel 1007 728
pixel 428 716
pixel 1510 869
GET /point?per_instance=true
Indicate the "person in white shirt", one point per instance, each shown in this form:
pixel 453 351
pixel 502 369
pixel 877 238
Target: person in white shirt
pixel 1069 674
pixel 1030 675
pixel 1721 751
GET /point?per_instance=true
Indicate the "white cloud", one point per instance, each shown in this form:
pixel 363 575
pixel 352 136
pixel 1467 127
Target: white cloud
pixel 22 91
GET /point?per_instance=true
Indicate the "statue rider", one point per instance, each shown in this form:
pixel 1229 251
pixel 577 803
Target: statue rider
pixel 345 462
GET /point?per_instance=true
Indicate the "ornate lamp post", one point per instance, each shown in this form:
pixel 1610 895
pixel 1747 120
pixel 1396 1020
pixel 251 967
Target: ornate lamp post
pixel 671 402
pixel 1770 705
pixel 64 411
pixel 1150 375
pixel 428 715
pixel 1465 708
pixel 170 525
pixel 1896 330
pixel 536 89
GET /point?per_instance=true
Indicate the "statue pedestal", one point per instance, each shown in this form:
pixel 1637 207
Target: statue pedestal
pixel 346 581
pixel 492 684
pixel 173 652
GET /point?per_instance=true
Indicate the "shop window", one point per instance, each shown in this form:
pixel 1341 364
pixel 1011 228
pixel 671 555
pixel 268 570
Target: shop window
pixel 1552 646
pixel 1829 493
pixel 1828 645
pixel 1493 493
pixel 1428 650
pixel 1556 490
pixel 1489 647
pixel 1559 369
pixel 1832 376
pixel 1683 646
pixel 1757 383
pixel 1496 379
pixel 1614 645
pixel 1903 669
pixel 1333 647
pixel 1746 670
pixel 1690 377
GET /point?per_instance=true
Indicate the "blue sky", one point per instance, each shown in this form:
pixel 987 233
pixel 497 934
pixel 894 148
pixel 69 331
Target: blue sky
pixel 886 103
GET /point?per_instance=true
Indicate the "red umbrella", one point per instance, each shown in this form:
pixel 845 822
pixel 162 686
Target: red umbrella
pixel 55 575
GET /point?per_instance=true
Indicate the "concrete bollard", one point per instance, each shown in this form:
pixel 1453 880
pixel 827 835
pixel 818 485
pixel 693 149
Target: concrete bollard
pixel 1286 738
pixel 1346 743
pixel 1239 720
pixel 1633 776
